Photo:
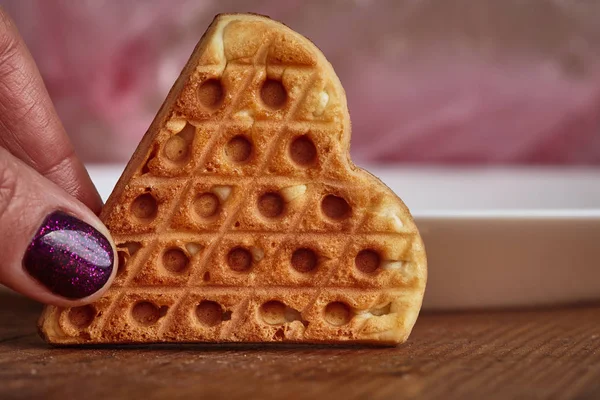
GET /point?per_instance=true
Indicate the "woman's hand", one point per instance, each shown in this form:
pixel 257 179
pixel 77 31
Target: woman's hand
pixel 53 248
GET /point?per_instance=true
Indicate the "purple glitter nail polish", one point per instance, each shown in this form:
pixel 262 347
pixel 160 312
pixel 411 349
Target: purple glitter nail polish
pixel 69 257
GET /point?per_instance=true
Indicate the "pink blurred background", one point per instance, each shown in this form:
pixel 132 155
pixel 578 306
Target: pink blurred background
pixel 428 81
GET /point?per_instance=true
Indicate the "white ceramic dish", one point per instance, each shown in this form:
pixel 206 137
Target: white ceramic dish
pixel 494 237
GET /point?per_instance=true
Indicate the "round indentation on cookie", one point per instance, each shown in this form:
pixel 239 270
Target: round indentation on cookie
pixel 209 313
pixel 147 313
pixel 177 149
pixel 367 261
pixel 271 205
pixel 303 151
pixel 273 312
pixel 304 260
pixel 273 94
pixel 335 207
pixel 144 207
pixel 82 317
pixel 211 93
pixel 175 260
pixel 337 313
pixel 239 259
pixel 238 149
pixel 206 205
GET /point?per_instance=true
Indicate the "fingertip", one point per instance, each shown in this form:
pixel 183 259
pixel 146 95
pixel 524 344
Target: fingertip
pixel 54 249
pixel 70 262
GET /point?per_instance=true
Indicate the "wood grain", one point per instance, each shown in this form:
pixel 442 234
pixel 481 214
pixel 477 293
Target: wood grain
pixel 527 354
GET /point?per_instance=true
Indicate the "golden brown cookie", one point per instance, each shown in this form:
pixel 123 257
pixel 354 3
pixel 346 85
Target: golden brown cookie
pixel 241 218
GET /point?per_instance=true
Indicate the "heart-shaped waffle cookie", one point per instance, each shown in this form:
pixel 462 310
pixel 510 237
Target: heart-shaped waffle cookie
pixel 241 218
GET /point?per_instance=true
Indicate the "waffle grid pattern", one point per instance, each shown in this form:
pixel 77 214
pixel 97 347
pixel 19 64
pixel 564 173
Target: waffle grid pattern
pixel 218 304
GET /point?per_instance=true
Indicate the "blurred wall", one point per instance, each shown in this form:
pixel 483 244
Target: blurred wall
pixel 430 81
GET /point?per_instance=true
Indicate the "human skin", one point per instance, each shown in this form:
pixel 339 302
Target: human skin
pixel 41 174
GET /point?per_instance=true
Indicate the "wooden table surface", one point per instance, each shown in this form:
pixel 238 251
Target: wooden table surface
pixel 530 354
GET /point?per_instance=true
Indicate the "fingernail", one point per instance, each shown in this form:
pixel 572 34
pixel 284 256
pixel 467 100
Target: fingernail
pixel 69 257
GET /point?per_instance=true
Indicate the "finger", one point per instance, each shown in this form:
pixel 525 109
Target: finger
pixel 29 126
pixel 54 249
